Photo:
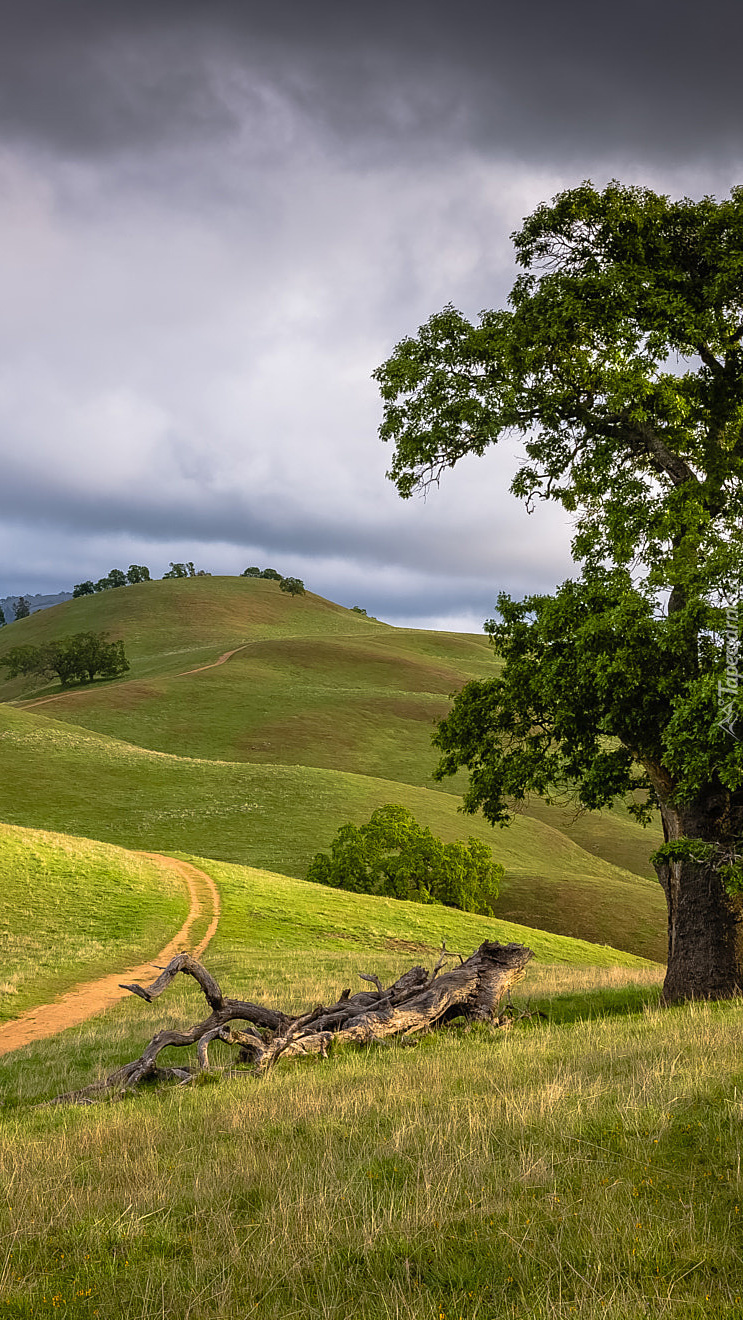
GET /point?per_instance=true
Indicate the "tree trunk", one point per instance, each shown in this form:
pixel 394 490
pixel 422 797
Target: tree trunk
pixel 418 1001
pixel 705 922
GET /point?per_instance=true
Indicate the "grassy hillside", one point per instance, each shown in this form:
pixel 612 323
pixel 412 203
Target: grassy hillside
pixel 59 776
pixel 314 684
pixel 576 1169
pixel 169 625
pixel 586 1163
pixel 73 909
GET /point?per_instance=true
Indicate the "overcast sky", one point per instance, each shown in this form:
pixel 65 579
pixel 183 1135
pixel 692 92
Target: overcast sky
pixel 217 217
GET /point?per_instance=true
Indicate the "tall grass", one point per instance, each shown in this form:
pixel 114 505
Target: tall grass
pixel 567 1167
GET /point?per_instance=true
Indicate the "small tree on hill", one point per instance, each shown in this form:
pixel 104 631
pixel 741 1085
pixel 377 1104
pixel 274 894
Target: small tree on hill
pixel 184 570
pixel 294 586
pixel 2 616
pixel 271 574
pixel 393 855
pixel 21 660
pixel 137 573
pixel 83 656
pixel 22 608
pixel 251 572
pixel 84 589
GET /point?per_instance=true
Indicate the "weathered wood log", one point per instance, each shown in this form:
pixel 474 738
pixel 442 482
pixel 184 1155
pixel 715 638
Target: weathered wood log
pixel 417 1001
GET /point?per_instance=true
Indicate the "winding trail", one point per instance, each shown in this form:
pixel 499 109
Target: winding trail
pixel 80 691
pixel 85 1000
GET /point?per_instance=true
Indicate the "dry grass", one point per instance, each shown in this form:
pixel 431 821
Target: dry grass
pixel 587 1167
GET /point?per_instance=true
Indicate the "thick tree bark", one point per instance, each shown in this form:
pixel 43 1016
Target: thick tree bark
pixel 705 922
pixel 418 1001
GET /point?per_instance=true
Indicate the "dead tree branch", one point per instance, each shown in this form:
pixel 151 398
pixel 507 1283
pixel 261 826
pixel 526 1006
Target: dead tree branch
pixel 418 1000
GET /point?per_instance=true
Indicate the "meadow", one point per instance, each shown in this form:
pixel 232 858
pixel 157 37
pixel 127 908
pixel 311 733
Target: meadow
pixel 584 1161
pixel 72 908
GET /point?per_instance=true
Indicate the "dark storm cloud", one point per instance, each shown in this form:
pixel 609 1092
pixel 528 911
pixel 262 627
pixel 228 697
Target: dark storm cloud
pixel 218 216
pixel 537 79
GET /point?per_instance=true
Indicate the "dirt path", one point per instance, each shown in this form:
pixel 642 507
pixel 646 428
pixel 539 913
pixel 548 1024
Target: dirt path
pixel 74 692
pixel 87 999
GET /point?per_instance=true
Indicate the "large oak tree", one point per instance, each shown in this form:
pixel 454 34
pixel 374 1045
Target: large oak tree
pixel 619 360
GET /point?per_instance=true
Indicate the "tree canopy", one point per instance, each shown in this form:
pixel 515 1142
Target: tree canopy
pixel 294 586
pixel 393 855
pixel 82 656
pixel 619 362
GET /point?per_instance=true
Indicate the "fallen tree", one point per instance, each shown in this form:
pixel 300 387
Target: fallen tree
pixel 418 1001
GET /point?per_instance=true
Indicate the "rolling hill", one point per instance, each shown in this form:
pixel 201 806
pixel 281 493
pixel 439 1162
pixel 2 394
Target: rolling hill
pixel 317 717
pixel 310 683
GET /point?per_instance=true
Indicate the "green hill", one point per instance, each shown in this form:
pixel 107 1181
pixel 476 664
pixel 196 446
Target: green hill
pixel 73 908
pixel 62 777
pixel 312 684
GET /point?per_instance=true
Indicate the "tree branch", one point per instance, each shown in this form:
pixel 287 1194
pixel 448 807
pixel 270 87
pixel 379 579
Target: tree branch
pixel 416 1001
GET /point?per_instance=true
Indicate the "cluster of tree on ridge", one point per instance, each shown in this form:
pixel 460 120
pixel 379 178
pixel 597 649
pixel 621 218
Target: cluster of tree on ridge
pixel 293 585
pixel 116 578
pixel 393 856
pixel 140 573
pixel 82 656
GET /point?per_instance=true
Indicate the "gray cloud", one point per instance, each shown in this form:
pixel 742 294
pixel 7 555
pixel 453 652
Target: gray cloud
pixel 217 219
pixel 538 78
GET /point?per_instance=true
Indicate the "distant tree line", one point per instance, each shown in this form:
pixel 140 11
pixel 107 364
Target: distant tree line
pixel 293 585
pixel 394 856
pixel 83 656
pixel 116 578
pixel 185 570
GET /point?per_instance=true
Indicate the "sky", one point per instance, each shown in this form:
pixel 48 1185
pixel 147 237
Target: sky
pixel 217 217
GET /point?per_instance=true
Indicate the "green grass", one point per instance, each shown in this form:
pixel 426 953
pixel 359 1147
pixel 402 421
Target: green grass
pixel 584 1165
pixel 167 626
pixel 73 909
pixel 316 685
pixel 61 777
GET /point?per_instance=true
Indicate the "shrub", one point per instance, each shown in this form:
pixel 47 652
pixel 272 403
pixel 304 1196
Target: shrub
pixel 394 856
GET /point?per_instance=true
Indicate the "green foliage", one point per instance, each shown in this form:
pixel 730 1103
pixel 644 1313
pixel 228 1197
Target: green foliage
pixel 180 570
pixel 116 578
pixel 684 850
pixel 293 586
pixel 271 574
pixel 82 656
pixel 395 856
pixel 22 608
pixel 251 572
pixel 604 687
pixel 2 617
pixel 356 609
pixel 137 573
pixel 21 660
pixel 728 858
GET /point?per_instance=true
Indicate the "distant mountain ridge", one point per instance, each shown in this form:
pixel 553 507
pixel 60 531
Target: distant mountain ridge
pixel 37 602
